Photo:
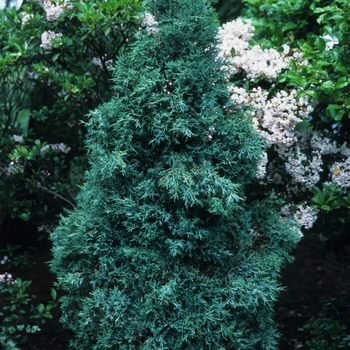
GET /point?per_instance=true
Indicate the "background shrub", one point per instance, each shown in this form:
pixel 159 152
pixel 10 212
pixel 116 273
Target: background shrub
pixel 54 68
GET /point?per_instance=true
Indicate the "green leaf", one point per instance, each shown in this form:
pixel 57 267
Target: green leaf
pixel 54 58
pixel 25 216
pixel 20 327
pixel 320 44
pixel 289 25
pixel 336 112
pixel 53 294
pixel 333 54
pixel 312 93
pixel 293 64
pixel 342 82
pixel 107 30
pixel 11 329
pixel 303 126
pixel 328 84
pixel 40 308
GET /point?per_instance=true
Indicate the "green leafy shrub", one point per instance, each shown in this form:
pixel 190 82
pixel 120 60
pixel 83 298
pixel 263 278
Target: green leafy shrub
pixel 330 331
pixel 54 66
pixel 164 250
pixel 228 9
pixel 17 310
pixel 290 63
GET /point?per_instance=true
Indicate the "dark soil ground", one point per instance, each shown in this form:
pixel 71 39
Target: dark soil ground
pixel 309 280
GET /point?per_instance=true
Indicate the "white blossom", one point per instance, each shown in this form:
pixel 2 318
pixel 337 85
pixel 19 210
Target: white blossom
pixel 340 173
pixel 98 62
pixel 26 18
pixel 302 213
pixel 234 35
pixel 255 62
pixel 17 138
pixel 261 172
pixel 6 278
pixel 303 170
pixel 13 168
pixel 299 156
pixel 4 260
pixel 16 3
pixel 54 11
pixel 275 118
pixel 149 22
pixel 46 38
pixel 322 144
pixel 286 49
pixel 56 147
pixel 330 41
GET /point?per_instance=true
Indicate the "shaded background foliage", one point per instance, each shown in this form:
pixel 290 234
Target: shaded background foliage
pixel 228 9
pixel 46 94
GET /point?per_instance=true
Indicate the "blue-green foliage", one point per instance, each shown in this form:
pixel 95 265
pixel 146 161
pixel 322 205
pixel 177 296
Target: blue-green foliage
pixel 163 250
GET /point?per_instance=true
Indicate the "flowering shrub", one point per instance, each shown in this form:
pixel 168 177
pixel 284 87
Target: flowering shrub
pixel 293 113
pixel 54 68
pixel 331 329
pixel 54 65
pixel 18 314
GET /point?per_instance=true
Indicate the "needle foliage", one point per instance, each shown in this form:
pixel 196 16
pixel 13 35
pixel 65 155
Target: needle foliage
pixel 164 250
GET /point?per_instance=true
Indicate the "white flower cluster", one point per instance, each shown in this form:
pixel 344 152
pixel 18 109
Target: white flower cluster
pixel 11 3
pixel 61 147
pixel 6 278
pixel 13 168
pixel 150 23
pixel 98 62
pixel 4 260
pixel 307 163
pixel 299 156
pixel 54 10
pixel 46 38
pixel 26 18
pixel 255 62
pixel 302 213
pixel 303 170
pixel 261 172
pixel 45 228
pixel 275 117
pixel 17 138
pixel 303 163
pixel 340 171
pixel 235 34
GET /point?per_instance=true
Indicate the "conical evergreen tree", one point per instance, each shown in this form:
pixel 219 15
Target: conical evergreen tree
pixel 163 250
